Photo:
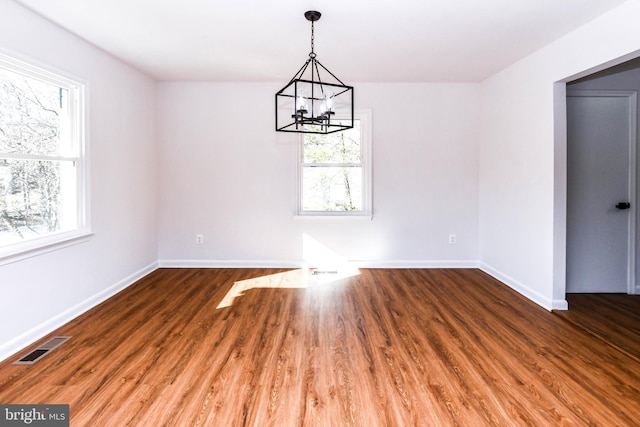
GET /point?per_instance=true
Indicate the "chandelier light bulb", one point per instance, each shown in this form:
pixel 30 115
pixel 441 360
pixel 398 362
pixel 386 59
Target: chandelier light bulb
pixel 301 102
pixel 329 101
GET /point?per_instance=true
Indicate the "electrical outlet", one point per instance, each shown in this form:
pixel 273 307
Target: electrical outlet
pixel 452 239
pixel 199 239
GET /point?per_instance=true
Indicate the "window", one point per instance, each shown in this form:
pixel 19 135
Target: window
pixel 334 172
pixel 41 158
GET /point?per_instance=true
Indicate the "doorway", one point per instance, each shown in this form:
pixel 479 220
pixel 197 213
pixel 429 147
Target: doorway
pixel 601 188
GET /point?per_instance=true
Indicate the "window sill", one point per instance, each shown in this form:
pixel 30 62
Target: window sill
pixel 35 247
pixel 323 217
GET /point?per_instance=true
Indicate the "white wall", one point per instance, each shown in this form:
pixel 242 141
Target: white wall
pixel 523 154
pixel 227 174
pixel 42 292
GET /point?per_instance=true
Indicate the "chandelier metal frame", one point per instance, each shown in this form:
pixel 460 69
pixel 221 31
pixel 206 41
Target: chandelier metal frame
pixel 314 100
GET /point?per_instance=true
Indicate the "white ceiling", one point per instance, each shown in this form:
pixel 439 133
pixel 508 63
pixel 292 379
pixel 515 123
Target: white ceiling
pixel 374 40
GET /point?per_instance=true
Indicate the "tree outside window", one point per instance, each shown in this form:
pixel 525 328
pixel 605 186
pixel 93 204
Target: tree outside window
pixel 334 174
pixel 39 155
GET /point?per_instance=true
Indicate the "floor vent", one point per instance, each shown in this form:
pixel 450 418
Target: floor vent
pixel 319 272
pixel 41 351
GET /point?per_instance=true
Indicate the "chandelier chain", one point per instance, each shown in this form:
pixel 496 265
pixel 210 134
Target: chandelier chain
pixel 312 54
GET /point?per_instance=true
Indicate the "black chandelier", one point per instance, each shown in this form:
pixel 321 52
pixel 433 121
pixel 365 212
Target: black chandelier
pixel 311 103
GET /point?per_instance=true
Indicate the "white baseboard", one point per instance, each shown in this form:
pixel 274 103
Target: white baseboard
pixel 186 263
pixel 418 264
pixel 205 263
pixel 559 304
pixel 31 336
pixel 535 296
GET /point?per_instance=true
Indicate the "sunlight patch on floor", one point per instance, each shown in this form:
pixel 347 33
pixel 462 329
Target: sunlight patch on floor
pixel 324 267
pixel 328 266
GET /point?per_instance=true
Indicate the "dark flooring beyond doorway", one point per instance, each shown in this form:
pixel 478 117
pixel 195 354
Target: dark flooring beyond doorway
pixel 612 318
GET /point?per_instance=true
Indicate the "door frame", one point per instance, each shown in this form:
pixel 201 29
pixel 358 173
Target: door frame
pixel 632 97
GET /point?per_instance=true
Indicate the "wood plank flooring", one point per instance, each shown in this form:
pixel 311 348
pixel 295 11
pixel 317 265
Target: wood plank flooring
pixel 613 318
pixel 267 347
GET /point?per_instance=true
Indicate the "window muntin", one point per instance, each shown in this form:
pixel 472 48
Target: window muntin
pixel 334 172
pixel 41 158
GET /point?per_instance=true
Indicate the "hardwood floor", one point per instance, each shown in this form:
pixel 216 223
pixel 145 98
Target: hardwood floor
pixel 264 347
pixel 613 318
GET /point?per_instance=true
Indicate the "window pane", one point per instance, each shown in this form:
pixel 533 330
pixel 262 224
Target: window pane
pixel 36 198
pixel 33 116
pixel 339 147
pixel 332 189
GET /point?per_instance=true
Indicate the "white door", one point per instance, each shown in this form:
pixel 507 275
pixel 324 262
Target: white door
pixel 600 187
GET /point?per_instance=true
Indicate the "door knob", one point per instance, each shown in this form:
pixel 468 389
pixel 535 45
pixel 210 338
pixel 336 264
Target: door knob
pixel 623 205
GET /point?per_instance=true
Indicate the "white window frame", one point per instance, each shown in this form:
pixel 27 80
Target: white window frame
pixel 77 113
pixel 366 153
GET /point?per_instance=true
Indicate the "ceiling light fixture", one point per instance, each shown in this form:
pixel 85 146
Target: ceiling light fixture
pixel 311 103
